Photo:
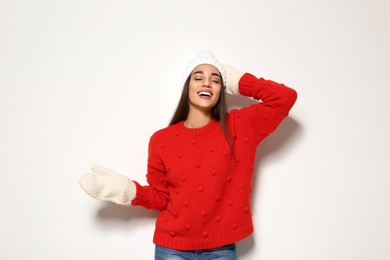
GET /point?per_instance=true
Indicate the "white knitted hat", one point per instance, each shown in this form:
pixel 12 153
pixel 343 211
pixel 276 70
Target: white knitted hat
pixel 204 57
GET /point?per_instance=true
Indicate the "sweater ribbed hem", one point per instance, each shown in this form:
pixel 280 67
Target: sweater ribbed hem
pixel 214 241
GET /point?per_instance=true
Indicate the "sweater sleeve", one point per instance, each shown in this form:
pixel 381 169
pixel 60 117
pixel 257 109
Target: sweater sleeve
pixel 275 102
pixel 155 195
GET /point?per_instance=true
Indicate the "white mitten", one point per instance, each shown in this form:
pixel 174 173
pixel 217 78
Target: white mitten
pixel 108 185
pixel 233 77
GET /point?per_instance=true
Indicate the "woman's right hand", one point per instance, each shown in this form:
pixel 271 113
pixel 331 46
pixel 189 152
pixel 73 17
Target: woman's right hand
pixel 107 185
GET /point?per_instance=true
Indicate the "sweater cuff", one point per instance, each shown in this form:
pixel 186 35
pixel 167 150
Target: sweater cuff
pixel 245 85
pixel 130 192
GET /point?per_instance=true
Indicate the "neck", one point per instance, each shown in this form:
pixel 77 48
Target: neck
pixel 197 118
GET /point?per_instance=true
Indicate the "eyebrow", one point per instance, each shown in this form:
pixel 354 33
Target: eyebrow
pixel 201 72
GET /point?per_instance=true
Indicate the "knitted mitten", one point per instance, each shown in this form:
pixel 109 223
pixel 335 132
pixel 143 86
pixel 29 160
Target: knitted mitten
pixel 233 77
pixel 108 185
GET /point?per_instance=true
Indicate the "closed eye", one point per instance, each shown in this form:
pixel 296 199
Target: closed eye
pixel 215 77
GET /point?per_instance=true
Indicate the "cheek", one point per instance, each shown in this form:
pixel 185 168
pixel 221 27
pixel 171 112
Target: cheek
pixel 192 95
pixel 217 93
pixel 191 89
pixel 217 97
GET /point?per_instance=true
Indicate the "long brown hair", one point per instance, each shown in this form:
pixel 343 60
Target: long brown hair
pixel 218 112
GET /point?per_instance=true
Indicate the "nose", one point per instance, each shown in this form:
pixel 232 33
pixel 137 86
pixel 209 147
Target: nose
pixel 206 84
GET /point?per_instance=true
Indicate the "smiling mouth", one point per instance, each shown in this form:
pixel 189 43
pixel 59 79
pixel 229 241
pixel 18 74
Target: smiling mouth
pixel 204 94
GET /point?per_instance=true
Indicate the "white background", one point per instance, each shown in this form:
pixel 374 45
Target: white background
pixel 89 81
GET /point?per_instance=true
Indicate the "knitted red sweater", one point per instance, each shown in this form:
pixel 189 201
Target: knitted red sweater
pixel 201 189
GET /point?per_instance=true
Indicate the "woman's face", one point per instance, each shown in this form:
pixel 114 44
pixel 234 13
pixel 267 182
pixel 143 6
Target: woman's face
pixel 204 87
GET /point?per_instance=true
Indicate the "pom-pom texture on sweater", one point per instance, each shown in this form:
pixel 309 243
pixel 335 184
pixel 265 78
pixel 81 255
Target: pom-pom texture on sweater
pixel 200 188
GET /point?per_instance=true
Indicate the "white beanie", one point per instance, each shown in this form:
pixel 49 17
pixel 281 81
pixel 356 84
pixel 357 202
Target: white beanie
pixel 204 57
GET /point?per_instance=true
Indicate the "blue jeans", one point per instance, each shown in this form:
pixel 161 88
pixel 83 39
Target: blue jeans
pixel 222 253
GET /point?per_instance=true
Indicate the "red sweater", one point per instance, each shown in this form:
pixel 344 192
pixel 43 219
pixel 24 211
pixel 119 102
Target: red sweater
pixel 201 190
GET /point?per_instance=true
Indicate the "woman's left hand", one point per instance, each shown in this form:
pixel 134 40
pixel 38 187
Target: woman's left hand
pixel 233 77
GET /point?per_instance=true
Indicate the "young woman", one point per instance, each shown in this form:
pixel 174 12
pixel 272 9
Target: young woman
pixel 200 167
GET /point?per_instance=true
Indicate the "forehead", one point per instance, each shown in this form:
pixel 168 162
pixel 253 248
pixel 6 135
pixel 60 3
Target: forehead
pixel 206 68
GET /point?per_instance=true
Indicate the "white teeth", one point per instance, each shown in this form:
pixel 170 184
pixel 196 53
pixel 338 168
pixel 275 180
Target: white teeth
pixel 205 94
